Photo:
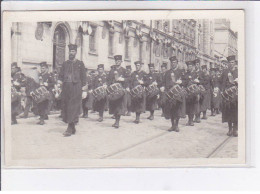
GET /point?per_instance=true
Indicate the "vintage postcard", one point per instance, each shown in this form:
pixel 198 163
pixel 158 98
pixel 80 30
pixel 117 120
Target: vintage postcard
pixel 123 88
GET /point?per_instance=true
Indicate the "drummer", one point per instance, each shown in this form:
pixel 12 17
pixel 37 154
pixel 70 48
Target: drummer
pixel 100 80
pixel 128 97
pixel 137 80
pixel 189 79
pixel 48 81
pixel 230 110
pixel 152 78
pixel 173 77
pixel 117 75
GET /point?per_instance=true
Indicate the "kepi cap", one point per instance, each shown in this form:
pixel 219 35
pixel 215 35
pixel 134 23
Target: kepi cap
pixel 73 47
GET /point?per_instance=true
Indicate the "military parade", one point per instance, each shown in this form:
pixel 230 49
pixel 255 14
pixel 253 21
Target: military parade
pixel 178 93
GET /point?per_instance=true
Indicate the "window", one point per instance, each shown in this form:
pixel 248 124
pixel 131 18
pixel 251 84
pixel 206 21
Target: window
pixel 140 51
pixel 111 45
pixel 92 40
pixel 127 56
pixel 157 50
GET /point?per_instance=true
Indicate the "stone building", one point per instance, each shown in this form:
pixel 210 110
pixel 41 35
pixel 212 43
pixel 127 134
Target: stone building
pixel 98 41
pixel 205 42
pixel 225 39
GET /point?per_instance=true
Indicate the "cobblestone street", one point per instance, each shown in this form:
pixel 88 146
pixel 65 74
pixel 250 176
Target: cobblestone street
pixel 149 139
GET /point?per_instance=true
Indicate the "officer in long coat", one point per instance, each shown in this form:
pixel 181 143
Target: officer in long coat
pixel 204 100
pixel 152 78
pixel 117 75
pixel 137 79
pixel 73 79
pixel 192 101
pixel 173 109
pixel 100 80
pixel 230 109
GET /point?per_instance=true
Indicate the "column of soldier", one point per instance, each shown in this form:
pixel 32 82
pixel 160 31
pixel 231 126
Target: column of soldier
pixel 178 92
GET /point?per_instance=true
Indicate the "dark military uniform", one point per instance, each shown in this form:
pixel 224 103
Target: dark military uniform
pixel 191 101
pixel 215 83
pixel 99 105
pixel 173 111
pixel 205 97
pixel 87 103
pixel 48 81
pixel 162 98
pixel 128 96
pixel 230 110
pixel 73 77
pixel 16 107
pixel 151 102
pixel 117 107
pixel 137 104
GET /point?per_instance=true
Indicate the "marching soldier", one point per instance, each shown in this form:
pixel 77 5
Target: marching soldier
pixel 191 78
pixel 215 83
pixel 87 98
pixel 230 109
pixel 197 104
pixel 117 75
pixel 162 98
pixel 73 79
pixel 100 80
pixel 16 107
pixel 137 79
pixel 46 80
pixel 173 111
pixel 128 96
pixel 205 97
pixel 152 78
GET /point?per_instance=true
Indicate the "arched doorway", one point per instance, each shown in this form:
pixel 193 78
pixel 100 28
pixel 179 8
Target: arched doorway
pixel 60 40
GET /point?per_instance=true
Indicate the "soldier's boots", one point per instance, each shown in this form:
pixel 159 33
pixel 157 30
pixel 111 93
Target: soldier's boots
pixel 204 116
pixel 213 112
pixel 235 133
pixel 41 122
pixel 230 132
pixel 116 124
pixel 173 127
pixel 137 120
pixel 69 131
pixel 100 119
pixel 128 113
pixel 73 131
pixel 197 119
pixel 24 116
pixel 13 122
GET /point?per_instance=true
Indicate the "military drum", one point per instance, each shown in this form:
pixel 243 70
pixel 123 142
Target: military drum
pixel 99 93
pixel 115 91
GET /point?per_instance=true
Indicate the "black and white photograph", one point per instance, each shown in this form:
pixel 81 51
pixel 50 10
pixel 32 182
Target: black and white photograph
pixel 124 88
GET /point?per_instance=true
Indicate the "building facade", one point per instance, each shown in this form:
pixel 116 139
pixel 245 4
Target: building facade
pixel 225 39
pixel 149 41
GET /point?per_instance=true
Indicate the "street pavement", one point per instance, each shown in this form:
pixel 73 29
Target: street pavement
pixel 95 140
